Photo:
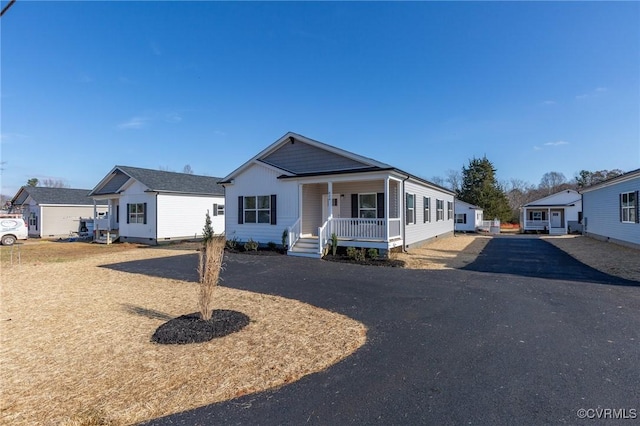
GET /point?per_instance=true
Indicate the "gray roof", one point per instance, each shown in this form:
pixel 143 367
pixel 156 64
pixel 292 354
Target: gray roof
pixel 159 181
pixel 300 156
pixel 45 195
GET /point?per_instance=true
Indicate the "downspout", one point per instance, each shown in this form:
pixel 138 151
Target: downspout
pixel 404 214
pixel 156 224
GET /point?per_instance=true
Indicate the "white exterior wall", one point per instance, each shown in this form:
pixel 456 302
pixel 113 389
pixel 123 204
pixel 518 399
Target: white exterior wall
pixel 182 216
pixel 58 220
pixel 134 194
pixel 421 231
pixel 261 180
pixel 62 221
pixel 601 213
pixel 474 216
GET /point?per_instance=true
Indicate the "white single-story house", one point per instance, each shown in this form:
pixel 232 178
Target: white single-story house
pixel 55 212
pixel 156 206
pixel 308 191
pixel 556 214
pixel 468 217
pixel 611 210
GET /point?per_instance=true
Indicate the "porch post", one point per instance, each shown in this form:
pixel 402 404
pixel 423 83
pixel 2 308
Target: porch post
pixel 330 201
pixel 549 219
pixel 386 207
pixel 300 205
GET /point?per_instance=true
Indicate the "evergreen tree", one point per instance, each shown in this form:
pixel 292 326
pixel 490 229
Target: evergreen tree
pixel 480 187
pixel 207 231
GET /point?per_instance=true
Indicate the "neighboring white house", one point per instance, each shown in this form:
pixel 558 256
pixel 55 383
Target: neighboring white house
pixel 468 217
pixel 558 213
pixel 611 210
pixel 55 212
pixel 155 206
pixel 309 190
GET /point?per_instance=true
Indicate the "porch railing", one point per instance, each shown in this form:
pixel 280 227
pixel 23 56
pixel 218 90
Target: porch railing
pixel 365 229
pixel 102 223
pixel 536 224
pixel 323 236
pixel 294 233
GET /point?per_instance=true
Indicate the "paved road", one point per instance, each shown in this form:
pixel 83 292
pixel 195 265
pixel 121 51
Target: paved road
pixel 530 340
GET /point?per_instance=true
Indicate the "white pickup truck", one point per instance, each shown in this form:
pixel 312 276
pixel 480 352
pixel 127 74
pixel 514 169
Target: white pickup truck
pixel 12 228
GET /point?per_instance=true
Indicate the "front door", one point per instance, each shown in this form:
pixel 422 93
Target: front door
pixel 556 220
pixel 325 206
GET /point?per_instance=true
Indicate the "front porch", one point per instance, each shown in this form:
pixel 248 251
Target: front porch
pixel 106 225
pixel 367 233
pixel 354 213
pixel 549 220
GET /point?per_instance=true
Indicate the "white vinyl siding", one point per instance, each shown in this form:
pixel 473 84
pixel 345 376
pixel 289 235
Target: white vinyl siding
pixel 181 216
pixel 261 180
pixel 423 231
pixel 601 212
pixel 60 220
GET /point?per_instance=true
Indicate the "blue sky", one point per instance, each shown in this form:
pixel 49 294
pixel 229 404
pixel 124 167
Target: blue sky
pixel 424 86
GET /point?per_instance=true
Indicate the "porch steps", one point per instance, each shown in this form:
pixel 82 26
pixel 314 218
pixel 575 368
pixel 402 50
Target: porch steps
pixel 305 247
pixel 107 238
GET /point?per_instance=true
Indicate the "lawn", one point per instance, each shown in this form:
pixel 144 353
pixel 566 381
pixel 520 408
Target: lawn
pixel 75 339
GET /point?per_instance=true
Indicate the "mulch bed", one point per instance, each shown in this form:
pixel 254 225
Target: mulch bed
pixel 393 263
pixel 340 256
pixel 191 329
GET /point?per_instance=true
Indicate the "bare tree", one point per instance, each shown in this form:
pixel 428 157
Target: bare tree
pixel 187 169
pixel 438 180
pixel 454 180
pixel 54 183
pixel 552 182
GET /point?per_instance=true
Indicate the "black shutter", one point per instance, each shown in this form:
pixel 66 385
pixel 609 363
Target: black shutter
pixel 380 200
pixel 274 209
pixel 240 210
pixel 620 207
pixel 354 205
pixel 637 207
pixel 118 213
pixel 464 218
pixel 406 209
pixel 144 217
pixel 215 209
pixel 128 211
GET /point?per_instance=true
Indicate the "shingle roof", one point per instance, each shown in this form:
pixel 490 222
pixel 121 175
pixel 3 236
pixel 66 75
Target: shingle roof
pixel 46 195
pixel 163 181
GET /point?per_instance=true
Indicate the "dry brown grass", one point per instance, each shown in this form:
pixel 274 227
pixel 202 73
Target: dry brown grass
pixel 75 341
pixel 607 257
pixel 445 253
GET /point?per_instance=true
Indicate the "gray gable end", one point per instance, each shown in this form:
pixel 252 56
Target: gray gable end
pixel 299 158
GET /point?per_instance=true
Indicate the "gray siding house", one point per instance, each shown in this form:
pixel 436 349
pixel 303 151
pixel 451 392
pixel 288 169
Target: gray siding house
pixel 610 210
pixel 55 212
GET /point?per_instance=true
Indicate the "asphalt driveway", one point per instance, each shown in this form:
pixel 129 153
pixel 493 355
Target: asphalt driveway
pixel 524 335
